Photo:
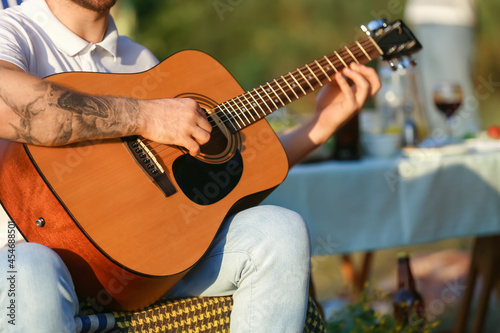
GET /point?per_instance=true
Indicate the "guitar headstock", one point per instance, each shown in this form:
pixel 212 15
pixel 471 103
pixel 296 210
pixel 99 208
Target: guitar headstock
pixel 395 40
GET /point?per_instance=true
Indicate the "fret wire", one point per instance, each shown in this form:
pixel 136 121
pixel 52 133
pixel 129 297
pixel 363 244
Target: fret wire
pixel 314 73
pixel 302 74
pixel 337 63
pixel 263 101
pixel 345 56
pixel 310 70
pixel 359 55
pixel 375 44
pixel 334 63
pixel 340 63
pixel 365 40
pixel 251 106
pixel 229 117
pixel 364 51
pixel 235 120
pixel 306 80
pixel 359 51
pixel 224 107
pixel 284 92
pixel 265 92
pixel 355 55
pixel 244 109
pixel 321 67
pixel 234 111
pixel 321 70
pixel 352 55
pixel 218 114
pixel 258 104
pixel 288 84
pixel 274 91
pixel 328 60
pixel 237 109
pixel 293 77
pixel 342 60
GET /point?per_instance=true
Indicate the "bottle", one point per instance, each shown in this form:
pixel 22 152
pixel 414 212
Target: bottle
pixel 410 132
pixel 408 303
pixel 347 145
pixel 388 100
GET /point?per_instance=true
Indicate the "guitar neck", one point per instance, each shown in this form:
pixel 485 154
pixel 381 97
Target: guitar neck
pixel 246 109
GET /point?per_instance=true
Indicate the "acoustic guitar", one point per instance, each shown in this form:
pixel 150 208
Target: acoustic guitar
pixel 130 217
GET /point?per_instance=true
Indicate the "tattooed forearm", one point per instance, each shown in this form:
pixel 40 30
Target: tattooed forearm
pixel 99 116
pixel 26 113
pixel 58 116
pixel 83 105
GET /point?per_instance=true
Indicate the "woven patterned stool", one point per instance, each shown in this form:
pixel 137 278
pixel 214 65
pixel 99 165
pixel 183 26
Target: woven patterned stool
pixel 196 314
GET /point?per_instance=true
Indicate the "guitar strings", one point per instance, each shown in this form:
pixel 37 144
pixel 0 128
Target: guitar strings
pixel 342 53
pixel 241 106
pixel 316 70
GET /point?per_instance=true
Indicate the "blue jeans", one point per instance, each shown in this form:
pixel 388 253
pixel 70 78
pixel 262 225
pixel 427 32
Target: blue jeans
pixel 261 256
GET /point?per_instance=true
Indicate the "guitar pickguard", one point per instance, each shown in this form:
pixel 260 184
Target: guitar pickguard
pixel 206 183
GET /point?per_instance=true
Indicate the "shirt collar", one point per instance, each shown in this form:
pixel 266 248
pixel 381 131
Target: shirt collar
pixel 64 39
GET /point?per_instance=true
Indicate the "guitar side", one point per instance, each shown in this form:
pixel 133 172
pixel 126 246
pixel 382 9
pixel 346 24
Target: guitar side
pixel 110 205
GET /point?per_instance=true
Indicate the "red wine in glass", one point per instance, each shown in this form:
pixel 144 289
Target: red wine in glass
pixel 447 97
pixel 446 107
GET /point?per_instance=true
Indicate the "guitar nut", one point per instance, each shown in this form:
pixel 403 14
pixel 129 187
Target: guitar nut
pixel 40 222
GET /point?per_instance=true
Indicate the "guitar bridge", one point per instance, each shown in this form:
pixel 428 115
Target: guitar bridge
pixel 148 163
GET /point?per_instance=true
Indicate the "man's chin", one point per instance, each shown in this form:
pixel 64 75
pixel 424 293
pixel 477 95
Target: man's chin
pixel 99 6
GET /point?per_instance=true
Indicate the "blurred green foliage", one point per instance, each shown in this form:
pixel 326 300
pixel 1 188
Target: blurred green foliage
pixel 259 40
pixel 359 316
pixel 488 58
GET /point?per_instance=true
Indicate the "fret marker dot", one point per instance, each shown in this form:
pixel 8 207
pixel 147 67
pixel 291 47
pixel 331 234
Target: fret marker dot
pixel 254 104
pixel 310 77
pixel 328 68
pixel 293 85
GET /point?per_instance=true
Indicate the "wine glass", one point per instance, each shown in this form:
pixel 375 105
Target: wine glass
pixel 448 97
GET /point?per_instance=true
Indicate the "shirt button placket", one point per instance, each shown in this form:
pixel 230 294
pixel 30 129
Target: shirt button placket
pixel 90 61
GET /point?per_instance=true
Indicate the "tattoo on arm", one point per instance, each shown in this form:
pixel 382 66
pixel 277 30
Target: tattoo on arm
pixel 61 116
pixel 23 132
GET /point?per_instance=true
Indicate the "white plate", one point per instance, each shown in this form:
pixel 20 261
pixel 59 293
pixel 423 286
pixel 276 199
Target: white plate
pixel 449 150
pixel 483 144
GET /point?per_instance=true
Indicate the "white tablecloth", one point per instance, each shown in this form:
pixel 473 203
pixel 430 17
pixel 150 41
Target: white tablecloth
pixel 373 204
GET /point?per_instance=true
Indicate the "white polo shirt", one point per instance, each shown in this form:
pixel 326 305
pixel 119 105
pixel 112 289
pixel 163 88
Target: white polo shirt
pixel 32 38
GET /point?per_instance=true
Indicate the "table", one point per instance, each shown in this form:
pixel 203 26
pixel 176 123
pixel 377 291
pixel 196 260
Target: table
pixel 382 203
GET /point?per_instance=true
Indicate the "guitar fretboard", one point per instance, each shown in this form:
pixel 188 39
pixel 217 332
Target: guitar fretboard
pixel 246 109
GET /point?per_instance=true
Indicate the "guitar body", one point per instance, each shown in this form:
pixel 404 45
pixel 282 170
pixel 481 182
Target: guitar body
pixel 125 238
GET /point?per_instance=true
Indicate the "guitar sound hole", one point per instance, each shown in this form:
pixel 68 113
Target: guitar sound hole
pixel 219 142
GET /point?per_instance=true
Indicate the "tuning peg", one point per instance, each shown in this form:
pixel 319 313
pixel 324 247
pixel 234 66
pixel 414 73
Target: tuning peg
pixel 404 63
pixel 377 24
pixel 412 61
pixel 393 65
pixel 391 50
